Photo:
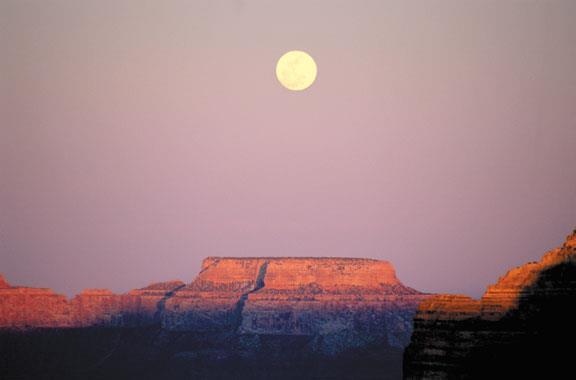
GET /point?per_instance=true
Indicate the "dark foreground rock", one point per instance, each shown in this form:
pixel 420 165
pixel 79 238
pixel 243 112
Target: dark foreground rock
pixel 523 327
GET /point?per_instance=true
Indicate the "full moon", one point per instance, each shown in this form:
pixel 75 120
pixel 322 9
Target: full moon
pixel 296 70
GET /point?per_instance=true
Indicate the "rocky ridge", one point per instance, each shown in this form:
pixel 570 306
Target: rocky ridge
pixel 236 312
pixel 513 329
pixel 27 308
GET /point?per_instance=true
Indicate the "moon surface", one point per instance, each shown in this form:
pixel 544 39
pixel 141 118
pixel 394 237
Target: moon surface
pixel 296 70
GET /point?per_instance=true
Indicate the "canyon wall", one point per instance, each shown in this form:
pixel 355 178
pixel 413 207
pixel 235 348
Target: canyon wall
pixel 521 327
pixel 261 312
pixel 29 308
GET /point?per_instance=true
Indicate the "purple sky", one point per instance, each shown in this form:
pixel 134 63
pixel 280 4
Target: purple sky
pixel 138 137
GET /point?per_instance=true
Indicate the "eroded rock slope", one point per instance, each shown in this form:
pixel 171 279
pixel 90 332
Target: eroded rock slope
pixel 279 315
pixel 522 327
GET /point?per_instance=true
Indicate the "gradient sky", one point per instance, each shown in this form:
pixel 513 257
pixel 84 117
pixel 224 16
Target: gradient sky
pixel 138 137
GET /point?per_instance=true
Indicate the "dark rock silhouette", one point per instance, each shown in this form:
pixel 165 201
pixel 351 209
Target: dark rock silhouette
pixel 521 328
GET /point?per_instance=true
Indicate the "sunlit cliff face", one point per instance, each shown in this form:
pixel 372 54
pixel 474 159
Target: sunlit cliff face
pixel 519 325
pixel 258 295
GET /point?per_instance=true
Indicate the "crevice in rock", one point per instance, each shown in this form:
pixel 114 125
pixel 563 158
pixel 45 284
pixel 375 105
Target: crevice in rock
pixel 260 278
pixel 213 263
pixel 259 284
pixel 162 303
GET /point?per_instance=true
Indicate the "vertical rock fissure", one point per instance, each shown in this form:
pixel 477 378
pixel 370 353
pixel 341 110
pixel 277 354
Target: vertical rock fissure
pixel 259 284
pixel 212 264
pixel 260 278
pixel 162 303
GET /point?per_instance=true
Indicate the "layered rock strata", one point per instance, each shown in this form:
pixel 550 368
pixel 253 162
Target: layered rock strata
pixel 26 308
pixel 282 317
pixel 296 296
pixel 277 296
pixel 516 329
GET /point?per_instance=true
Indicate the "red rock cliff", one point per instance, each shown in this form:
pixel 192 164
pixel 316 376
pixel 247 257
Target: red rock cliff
pixel 251 296
pixel 515 328
pixel 23 307
pixel 282 317
pixel 296 296
pixel 3 283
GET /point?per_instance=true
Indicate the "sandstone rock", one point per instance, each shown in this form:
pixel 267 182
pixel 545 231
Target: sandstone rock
pixel 101 307
pixel 329 274
pixel 3 283
pixel 520 317
pixel 350 301
pixel 152 300
pixel 212 301
pixel 297 296
pixel 285 316
pixel 23 308
pixel 341 298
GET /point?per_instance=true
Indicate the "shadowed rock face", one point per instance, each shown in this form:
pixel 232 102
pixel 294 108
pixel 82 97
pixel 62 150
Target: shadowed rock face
pixel 263 316
pixel 516 330
pixel 296 296
pixel 27 308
